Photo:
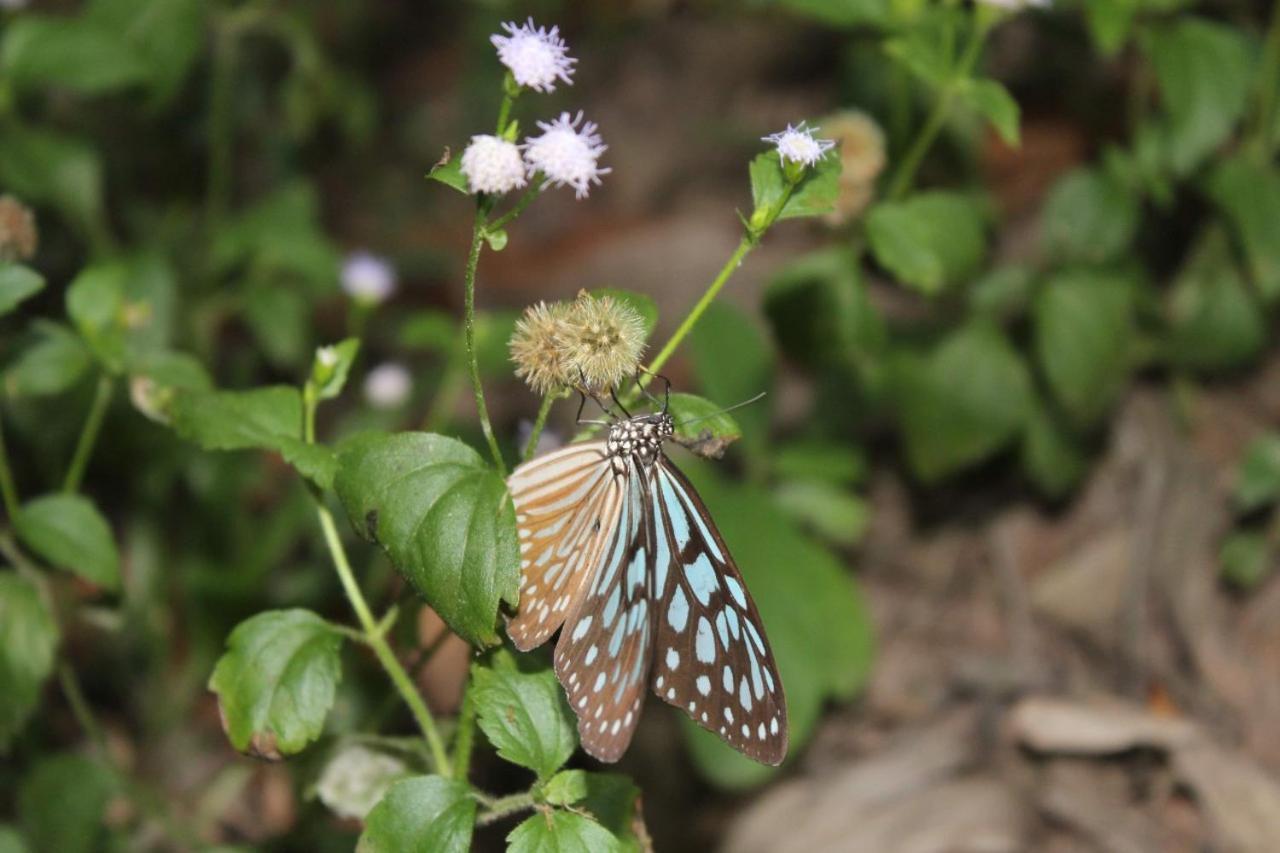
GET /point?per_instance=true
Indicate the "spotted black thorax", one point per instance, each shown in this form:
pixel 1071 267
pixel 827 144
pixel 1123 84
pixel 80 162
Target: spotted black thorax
pixel 638 438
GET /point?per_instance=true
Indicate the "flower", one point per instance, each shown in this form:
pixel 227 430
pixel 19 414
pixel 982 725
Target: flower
pixel 388 385
pixel 535 347
pixel 368 278
pixel 862 159
pixel 493 165
pixel 602 341
pixel 537 57
pixel 355 779
pixel 327 356
pixel 18 235
pixel 798 145
pixel 567 155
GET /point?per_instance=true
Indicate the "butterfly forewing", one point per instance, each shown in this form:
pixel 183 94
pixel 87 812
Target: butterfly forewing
pixel 567 505
pixel 711 657
pixel 602 657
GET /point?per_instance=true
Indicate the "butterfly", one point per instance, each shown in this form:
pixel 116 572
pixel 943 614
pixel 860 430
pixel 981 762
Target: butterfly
pixel 619 554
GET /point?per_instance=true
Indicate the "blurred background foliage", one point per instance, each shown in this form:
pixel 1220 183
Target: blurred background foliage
pixel 1094 204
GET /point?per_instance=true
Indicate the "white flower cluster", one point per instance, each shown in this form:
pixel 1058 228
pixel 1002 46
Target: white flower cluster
pixel 566 153
pixel 799 145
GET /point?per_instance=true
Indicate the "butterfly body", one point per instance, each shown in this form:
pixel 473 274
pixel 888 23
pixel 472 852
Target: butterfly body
pixel 619 554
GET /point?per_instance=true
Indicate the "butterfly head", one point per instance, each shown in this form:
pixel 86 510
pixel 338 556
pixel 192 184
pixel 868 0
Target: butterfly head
pixel 639 438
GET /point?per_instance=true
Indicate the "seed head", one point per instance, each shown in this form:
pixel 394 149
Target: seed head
pixel 602 342
pixel 536 347
pixel 492 165
pixel 862 159
pixel 537 57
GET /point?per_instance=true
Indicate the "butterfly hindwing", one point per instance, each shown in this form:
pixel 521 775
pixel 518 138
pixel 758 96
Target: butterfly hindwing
pixel 567 504
pixel 602 656
pixel 711 657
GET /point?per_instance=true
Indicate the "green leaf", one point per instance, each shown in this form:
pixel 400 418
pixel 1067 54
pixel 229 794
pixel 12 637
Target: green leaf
pixel 1204 70
pixel 1090 217
pixel 165 37
pixel 17 284
pixel 1258 480
pixel 1051 456
pixel 443 516
pixel 62 802
pixel 68 532
pixel 277 680
pixel 561 832
pixel 95 304
pixel 69 52
pixel 806 599
pixel 565 788
pixel 929 241
pixel 1003 293
pixel 493 336
pixel 726 329
pixel 1215 323
pixel 927 48
pixel 840 13
pixel 280 319
pixel 238 420
pixel 994 103
pixel 280 237
pixel 423 814
pixel 1249 197
pixel 816 459
pixel 821 313
pixel 344 355
pixel 1248 559
pixel 175 370
pixel 11 841
pixel 1110 22
pixel 431 330
pixel 962 402
pixel 525 716
pixel 52 361
pixel 449 172
pixel 640 302
pixel 814 195
pixel 28 640
pixel 46 167
pixel 702 426
pixel 1083 324
pixel 609 798
pixel 833 514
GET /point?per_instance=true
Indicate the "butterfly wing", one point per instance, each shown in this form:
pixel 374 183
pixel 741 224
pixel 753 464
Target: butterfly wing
pixel 712 659
pixel 567 505
pixel 602 656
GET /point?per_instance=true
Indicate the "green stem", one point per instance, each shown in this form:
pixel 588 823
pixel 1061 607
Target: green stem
pixel 8 490
pixel 379 644
pixel 510 91
pixel 80 709
pixel 541 421
pixel 221 141
pixel 469 322
pixel 503 806
pixel 1268 89
pixel 310 402
pixel 905 174
pixel 88 434
pixel 464 739
pixel 536 186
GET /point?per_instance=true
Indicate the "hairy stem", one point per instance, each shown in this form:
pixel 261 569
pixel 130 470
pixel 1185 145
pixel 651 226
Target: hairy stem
pixel 88 434
pixel 539 422
pixel 464 739
pixel 469 323
pixel 536 186
pixel 503 806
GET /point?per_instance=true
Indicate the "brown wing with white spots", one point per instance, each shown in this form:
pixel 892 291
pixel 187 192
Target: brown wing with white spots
pixel 567 504
pixel 711 658
pixel 602 656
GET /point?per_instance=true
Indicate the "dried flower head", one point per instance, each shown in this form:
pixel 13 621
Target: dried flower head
pixel 862 159
pixel 18 235
pixel 493 165
pixel 566 154
pixel 537 57
pixel 536 347
pixel 388 385
pixel 368 278
pixel 602 341
pixel 798 145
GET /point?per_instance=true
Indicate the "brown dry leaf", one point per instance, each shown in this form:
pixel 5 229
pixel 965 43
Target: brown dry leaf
pixel 1094 727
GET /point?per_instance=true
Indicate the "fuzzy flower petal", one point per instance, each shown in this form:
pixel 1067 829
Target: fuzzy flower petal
pixel 798 145
pixel 368 278
pixel 493 165
pixel 388 385
pixel 568 155
pixel 535 347
pixel 602 342
pixel 537 57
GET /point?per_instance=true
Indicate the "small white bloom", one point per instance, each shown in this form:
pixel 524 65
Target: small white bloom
pixel 493 165
pixel 798 145
pixel 327 356
pixel 388 385
pixel 355 779
pixel 368 278
pixel 537 57
pixel 566 154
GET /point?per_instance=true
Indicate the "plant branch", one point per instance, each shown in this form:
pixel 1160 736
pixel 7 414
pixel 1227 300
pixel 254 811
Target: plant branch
pixel 88 434
pixel 464 738
pixel 539 423
pixel 536 186
pixel 469 322
pixel 504 806
pixel 8 490
pixel 80 709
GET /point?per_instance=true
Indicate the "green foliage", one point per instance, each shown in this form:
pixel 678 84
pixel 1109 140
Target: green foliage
pixel 733 380
pixel 449 172
pixel 930 241
pixel 95 304
pixel 1215 323
pixel 1258 480
pixel 423 814
pixel 994 103
pixel 62 802
pixel 445 519
pixel 52 359
pixel 961 402
pixel 813 195
pixel 17 283
pixel 830 512
pixel 1249 197
pixel 1090 217
pixel 1052 456
pixel 555 831
pixel 47 167
pixel 28 639
pixel 1248 558
pixel 840 13
pixel 10 841
pixel 68 52
pixel 70 533
pixel 524 715
pixel 335 375
pixel 277 680
pixel 815 459
pixel 703 425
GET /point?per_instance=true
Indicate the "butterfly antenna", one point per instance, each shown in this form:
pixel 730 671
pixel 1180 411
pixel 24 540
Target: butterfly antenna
pixel 613 393
pixel 754 399
pixel 666 395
